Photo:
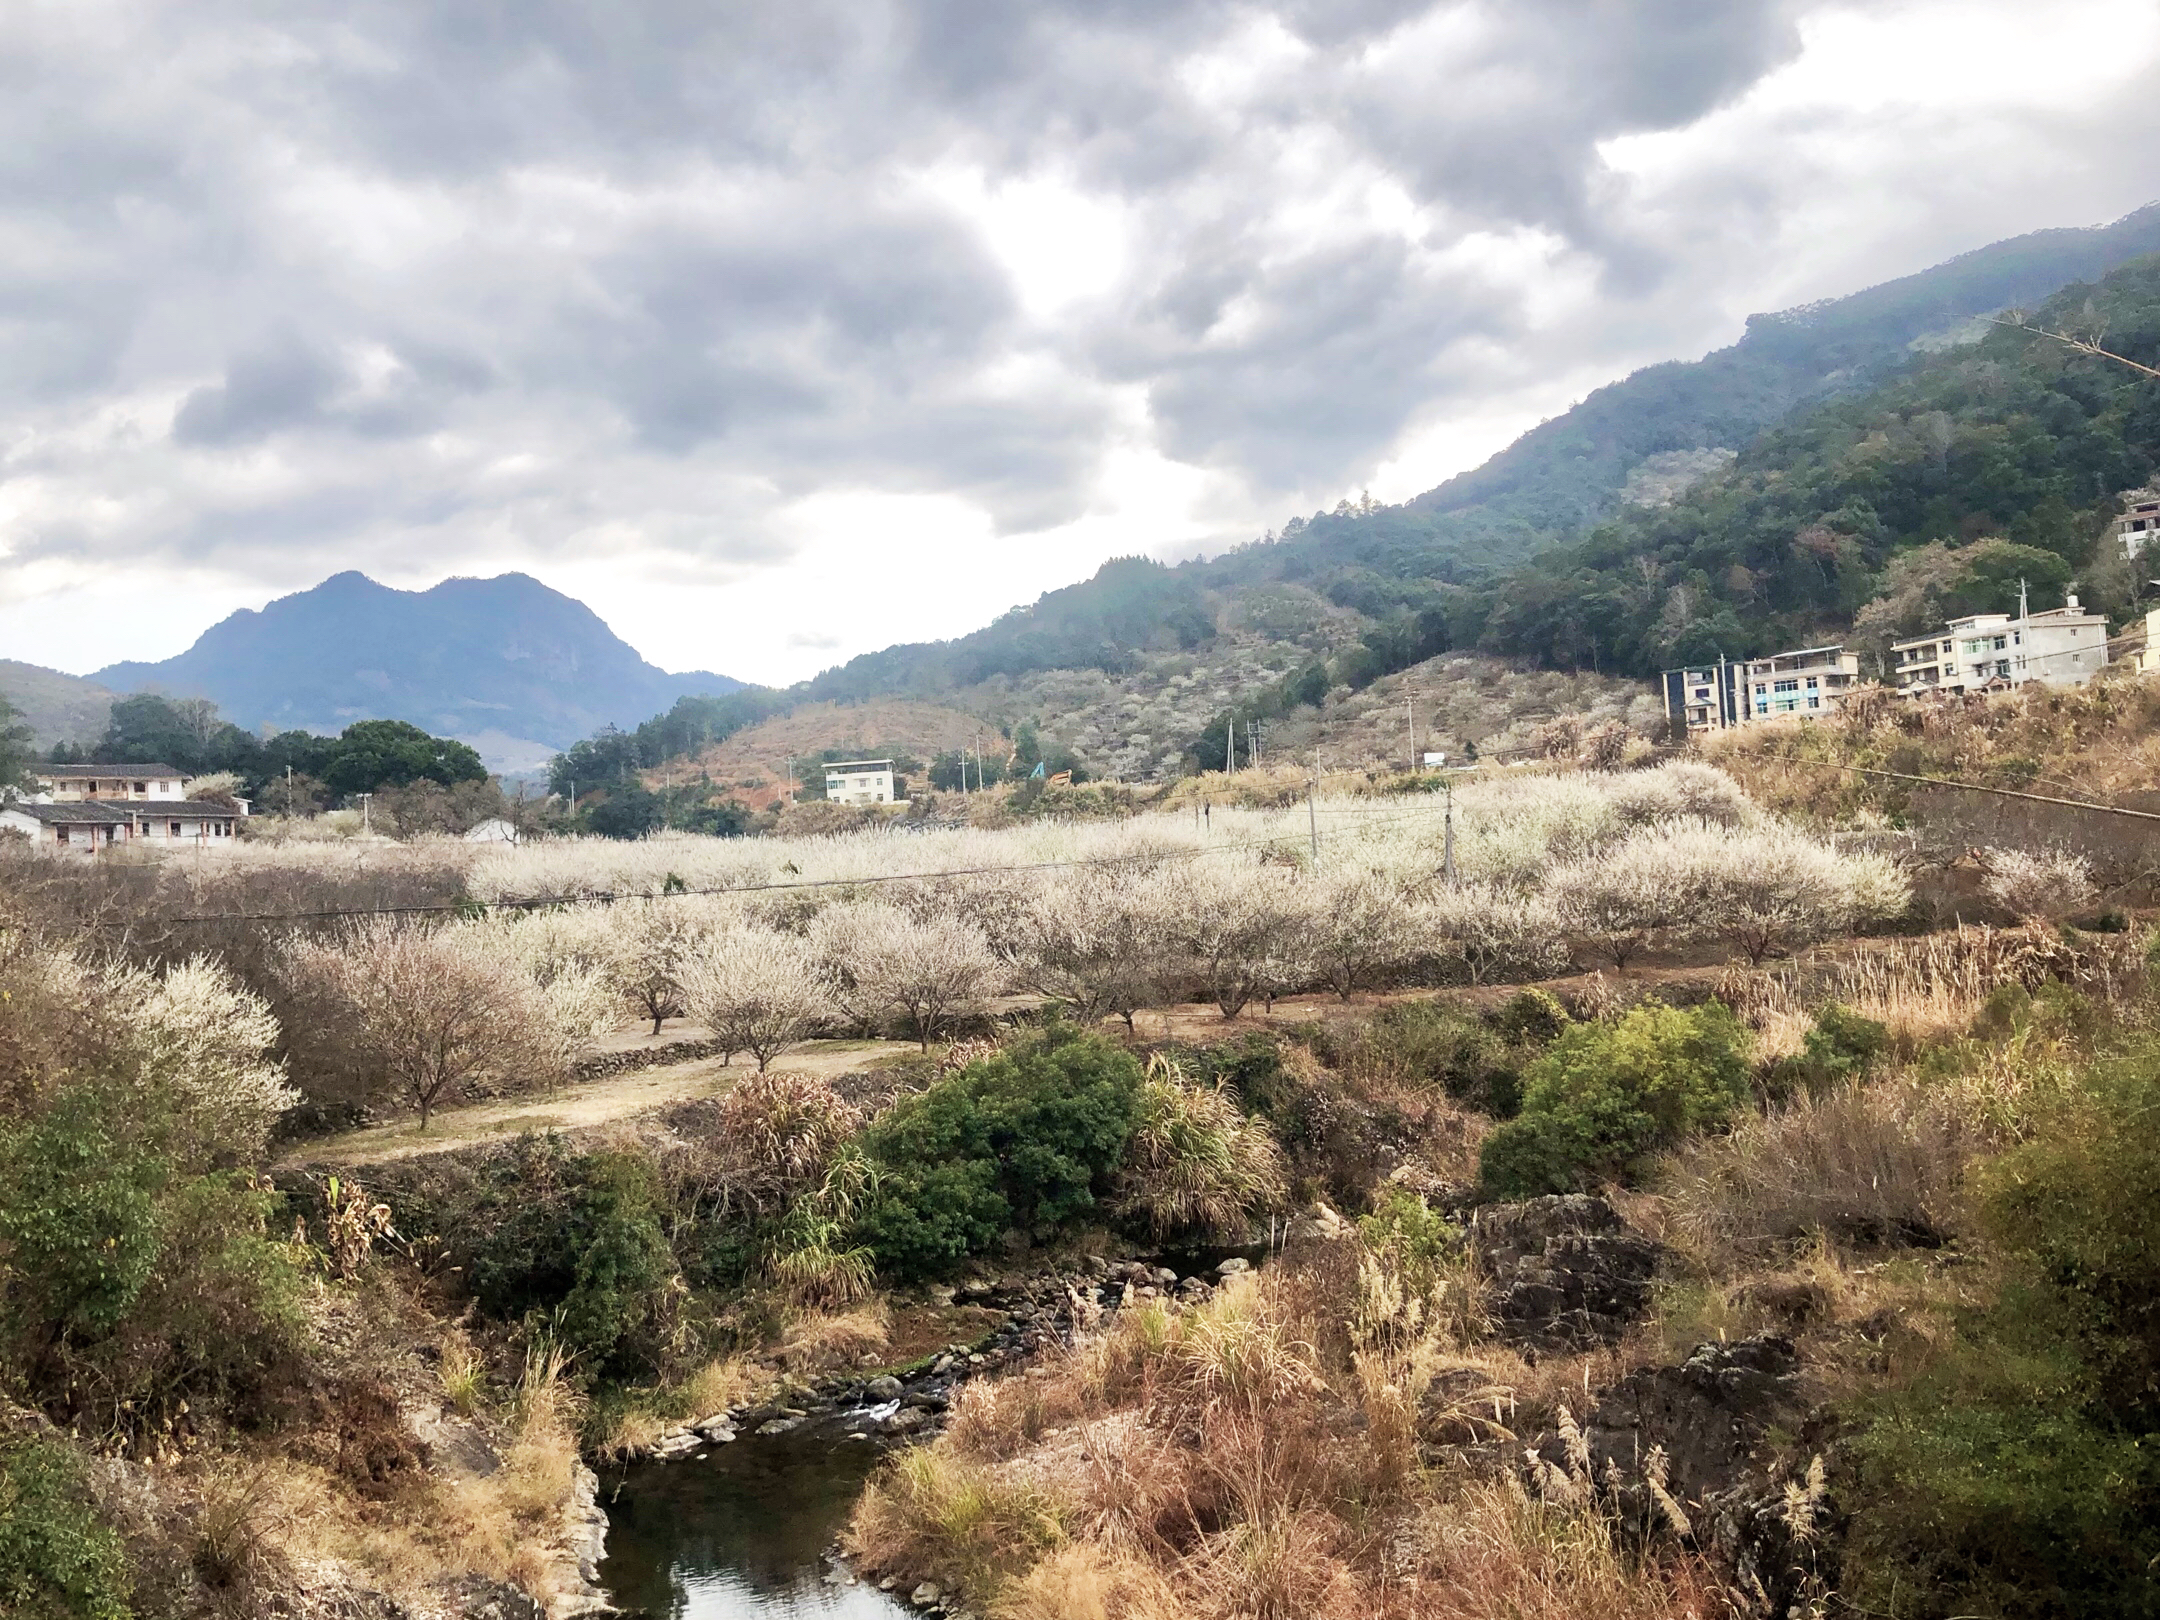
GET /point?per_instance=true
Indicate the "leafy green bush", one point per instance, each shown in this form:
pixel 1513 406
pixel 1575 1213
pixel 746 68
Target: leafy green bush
pixel 131 1286
pixel 2020 1474
pixel 572 1236
pixel 1843 1045
pixel 57 1560
pixel 1477 1058
pixel 624 1270
pixel 1020 1141
pixel 1604 1095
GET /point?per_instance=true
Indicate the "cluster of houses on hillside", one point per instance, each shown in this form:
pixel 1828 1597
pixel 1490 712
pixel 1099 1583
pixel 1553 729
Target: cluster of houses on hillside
pixel 90 808
pixel 1982 652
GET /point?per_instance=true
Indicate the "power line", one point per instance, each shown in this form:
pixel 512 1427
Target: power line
pixel 1976 787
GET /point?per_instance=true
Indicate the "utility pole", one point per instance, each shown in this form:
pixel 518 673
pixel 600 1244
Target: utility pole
pixel 288 792
pixel 1312 816
pixel 1230 745
pixel 364 823
pixel 1410 704
pixel 791 779
pixel 2024 628
pixel 1447 850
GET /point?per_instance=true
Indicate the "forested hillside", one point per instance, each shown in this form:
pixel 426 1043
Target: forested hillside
pixel 2014 437
pixel 1909 479
pixel 1389 562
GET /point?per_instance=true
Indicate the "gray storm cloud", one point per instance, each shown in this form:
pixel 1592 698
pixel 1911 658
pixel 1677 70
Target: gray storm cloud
pixel 276 283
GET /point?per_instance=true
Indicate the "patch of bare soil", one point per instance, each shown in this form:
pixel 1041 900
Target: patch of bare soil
pixel 752 764
pixel 579 1107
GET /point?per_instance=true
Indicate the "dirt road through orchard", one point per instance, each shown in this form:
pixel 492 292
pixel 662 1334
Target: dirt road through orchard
pixel 578 1106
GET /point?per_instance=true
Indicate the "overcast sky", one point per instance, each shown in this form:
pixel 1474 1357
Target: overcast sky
pixel 782 332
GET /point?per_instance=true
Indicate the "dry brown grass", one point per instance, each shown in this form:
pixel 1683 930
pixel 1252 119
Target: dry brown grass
pixel 718 1385
pixel 1866 1164
pixel 824 1341
pixel 934 1510
pixel 1087 1581
pixel 507 1525
pixel 1486 1551
pixel 1260 1455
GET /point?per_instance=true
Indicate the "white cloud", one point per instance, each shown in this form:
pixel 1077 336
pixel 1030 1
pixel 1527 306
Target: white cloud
pixel 780 335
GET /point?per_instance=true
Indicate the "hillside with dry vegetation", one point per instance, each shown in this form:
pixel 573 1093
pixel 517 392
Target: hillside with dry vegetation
pixel 1658 1208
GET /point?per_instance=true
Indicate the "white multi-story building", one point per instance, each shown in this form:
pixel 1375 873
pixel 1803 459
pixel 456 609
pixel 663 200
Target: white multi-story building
pixel 1809 680
pixel 2139 524
pixel 69 784
pixel 1812 680
pixel 2063 646
pixel 860 781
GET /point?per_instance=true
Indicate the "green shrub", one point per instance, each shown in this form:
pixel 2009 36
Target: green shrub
pixel 130 1288
pixel 1020 1141
pixel 624 1271
pixel 1532 1017
pixel 573 1236
pixel 1843 1045
pixel 1477 1058
pixel 2081 1200
pixel 1251 1067
pixel 2020 1474
pixel 78 1216
pixel 1603 1096
pixel 1997 1485
pixel 57 1560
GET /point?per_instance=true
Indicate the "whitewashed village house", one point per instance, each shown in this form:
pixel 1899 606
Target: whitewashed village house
pixel 859 781
pixel 88 809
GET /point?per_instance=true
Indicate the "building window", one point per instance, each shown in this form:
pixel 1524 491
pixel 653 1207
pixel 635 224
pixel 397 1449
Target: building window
pixel 1786 686
pixel 142 787
pixel 175 829
pixel 1813 683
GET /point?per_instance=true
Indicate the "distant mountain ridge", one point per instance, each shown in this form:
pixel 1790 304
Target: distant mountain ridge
pixel 58 707
pixel 507 664
pixel 1548 488
pixel 1567 472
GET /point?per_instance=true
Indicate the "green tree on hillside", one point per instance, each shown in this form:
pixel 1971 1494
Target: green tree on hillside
pixel 391 753
pixel 16 752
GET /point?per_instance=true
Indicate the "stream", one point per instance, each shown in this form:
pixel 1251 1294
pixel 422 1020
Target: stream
pixel 740 1532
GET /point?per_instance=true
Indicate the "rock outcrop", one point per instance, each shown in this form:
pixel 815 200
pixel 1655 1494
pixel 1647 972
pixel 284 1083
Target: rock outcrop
pixel 1567 1273
pixel 1696 1433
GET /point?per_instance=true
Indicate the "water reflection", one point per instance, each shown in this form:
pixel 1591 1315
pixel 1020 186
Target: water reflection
pixel 740 1535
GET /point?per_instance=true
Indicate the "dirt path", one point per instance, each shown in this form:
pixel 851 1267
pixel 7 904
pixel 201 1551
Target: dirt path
pixel 579 1106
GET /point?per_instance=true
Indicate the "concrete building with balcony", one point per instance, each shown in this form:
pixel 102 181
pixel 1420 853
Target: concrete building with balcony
pixel 1983 652
pixel 1809 681
pixel 2139 525
pixel 1805 681
pixel 67 784
pixel 1706 699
